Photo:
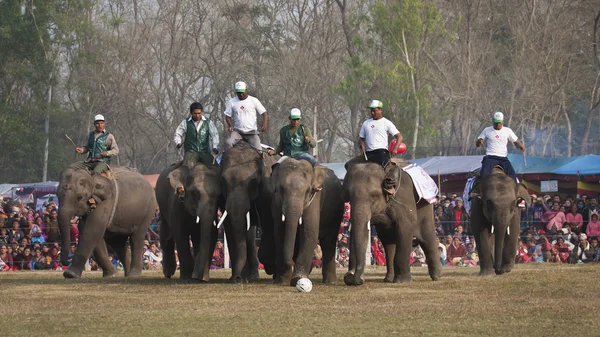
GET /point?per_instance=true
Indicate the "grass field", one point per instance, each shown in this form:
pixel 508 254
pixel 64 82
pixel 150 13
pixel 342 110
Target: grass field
pixel 533 300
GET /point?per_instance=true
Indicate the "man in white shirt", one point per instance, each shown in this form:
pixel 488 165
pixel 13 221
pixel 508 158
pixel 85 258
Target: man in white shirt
pixel 194 134
pixel 374 141
pixel 496 138
pixel 241 117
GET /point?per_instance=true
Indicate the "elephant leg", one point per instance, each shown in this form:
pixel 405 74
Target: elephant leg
pixel 402 256
pixel 88 240
pixel 430 248
pixel 278 238
pixel 184 252
pixel 511 246
pixel 307 243
pixel 358 245
pixel 250 273
pixel 387 237
pixel 328 266
pixel 237 247
pixel 167 244
pixel 205 247
pixel 119 244
pixel 101 257
pixel 136 243
pixel 483 238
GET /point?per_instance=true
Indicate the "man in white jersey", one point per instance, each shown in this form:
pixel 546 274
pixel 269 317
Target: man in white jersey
pixel 496 138
pixel 241 117
pixel 374 141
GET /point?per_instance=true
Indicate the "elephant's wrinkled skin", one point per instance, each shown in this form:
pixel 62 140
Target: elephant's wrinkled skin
pixel 133 215
pixel 396 223
pixel 315 196
pixel 243 173
pixel 188 212
pixel 497 205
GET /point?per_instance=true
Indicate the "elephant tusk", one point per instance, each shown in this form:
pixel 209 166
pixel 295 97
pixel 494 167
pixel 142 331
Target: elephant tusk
pixel 282 217
pixel 507 230
pixel 300 221
pixel 197 219
pixel 215 223
pixel 248 221
pixel 222 219
pixel 369 224
pixel 492 231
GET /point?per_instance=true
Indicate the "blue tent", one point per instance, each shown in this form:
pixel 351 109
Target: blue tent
pixel 584 165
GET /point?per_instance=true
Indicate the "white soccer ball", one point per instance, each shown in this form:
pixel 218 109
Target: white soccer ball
pixel 304 285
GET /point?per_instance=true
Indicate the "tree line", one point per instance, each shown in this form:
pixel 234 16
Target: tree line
pixel 440 67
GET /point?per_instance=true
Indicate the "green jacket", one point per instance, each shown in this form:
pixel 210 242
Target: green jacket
pixel 97 146
pixel 197 141
pixel 291 140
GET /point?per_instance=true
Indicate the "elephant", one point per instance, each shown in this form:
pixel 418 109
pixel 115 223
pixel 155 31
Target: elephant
pixel 125 211
pixel 306 205
pixel 188 201
pixel 495 221
pixel 396 221
pixel 243 175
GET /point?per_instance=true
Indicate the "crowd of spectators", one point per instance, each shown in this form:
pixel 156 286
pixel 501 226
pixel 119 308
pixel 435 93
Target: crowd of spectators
pixel 552 230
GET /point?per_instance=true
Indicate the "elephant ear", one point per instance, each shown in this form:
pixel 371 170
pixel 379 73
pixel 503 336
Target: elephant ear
pixel 177 178
pixel 271 182
pixel 318 178
pixel 522 194
pixel 102 187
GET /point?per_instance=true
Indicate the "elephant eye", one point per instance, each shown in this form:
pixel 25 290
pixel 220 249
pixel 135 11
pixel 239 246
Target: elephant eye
pixel 79 197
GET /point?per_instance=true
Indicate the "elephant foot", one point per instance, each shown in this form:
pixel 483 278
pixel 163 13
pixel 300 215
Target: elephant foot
pixel 351 280
pixel 187 281
pixel 107 274
pixel 389 278
pixel 329 279
pixel 278 279
pixel 295 279
pixel 254 276
pixel 71 274
pixel 135 273
pixel 236 280
pixel 499 271
pixel 403 279
pixel 486 272
pixel 435 277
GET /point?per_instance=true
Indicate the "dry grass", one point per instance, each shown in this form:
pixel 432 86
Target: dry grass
pixel 533 300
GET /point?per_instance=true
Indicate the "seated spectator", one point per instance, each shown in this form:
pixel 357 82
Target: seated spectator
pixel 596 247
pixel 54 258
pixel 6 257
pixel 71 253
pixel 317 257
pixel 153 258
pixel 585 251
pixel 537 210
pixel 378 252
pixel 442 246
pixel 554 219
pixel 16 233
pixel 218 257
pixel 24 260
pixel 4 237
pixel 593 227
pixel 562 250
pixel 442 255
pixel 36 233
pixel 573 216
pixel 522 253
pixel 460 233
pixel 39 260
pixel 547 249
pixel 341 256
pixel 418 255
pixel 471 258
pixel 456 252
pixel 437 220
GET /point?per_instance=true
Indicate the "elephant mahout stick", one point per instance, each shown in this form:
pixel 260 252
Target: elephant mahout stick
pixel 71 140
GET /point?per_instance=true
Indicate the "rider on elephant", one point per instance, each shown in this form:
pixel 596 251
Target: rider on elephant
pixel 101 146
pixel 374 140
pixel 295 139
pixel 241 118
pixel 193 134
pixel 496 138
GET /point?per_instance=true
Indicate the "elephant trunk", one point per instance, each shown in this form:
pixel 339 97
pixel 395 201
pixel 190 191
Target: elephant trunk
pixel 360 216
pixel 292 219
pixel 206 248
pixel 65 215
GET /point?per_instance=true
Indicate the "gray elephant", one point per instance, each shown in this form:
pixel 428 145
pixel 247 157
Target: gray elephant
pixel 188 200
pixel 125 211
pixel 307 205
pixel 495 220
pixel 397 222
pixel 243 174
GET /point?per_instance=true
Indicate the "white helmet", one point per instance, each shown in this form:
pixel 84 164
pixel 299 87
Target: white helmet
pixel 98 117
pixel 498 117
